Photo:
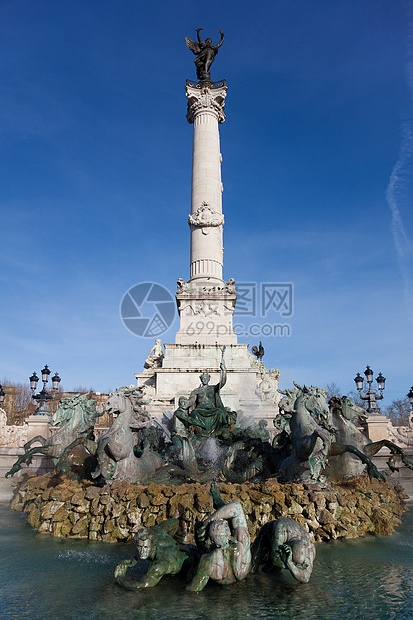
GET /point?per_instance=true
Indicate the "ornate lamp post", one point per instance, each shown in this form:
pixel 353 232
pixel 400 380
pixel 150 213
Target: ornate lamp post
pixel 44 395
pixel 370 395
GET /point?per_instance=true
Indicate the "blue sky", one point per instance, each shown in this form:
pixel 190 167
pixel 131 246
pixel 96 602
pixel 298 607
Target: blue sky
pixel 317 169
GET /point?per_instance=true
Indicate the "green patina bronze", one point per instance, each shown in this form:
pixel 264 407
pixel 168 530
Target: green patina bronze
pixel 209 416
pixel 343 411
pixel 223 553
pixel 284 543
pixel 75 418
pixel 165 554
pixel 224 541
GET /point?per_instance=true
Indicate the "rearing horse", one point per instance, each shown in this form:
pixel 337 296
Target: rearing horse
pixel 343 410
pixel 310 441
pixel 75 417
pixel 114 449
pixel 313 437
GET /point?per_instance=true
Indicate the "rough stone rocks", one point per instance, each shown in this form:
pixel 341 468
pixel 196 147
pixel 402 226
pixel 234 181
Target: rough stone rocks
pixel 67 508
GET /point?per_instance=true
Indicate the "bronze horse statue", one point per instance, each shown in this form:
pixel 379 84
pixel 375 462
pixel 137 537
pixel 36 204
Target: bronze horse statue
pixel 75 417
pixel 343 411
pixel 114 449
pixel 310 441
pixel 302 451
pixel 314 437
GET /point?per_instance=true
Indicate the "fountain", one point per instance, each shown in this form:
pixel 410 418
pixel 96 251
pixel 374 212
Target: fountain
pixel 156 482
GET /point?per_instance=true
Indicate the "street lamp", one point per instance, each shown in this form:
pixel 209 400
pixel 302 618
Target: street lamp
pixel 44 395
pixel 370 395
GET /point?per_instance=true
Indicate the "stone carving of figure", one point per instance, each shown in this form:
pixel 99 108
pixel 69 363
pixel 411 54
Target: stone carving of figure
pixel 402 435
pixel 209 414
pixel 286 544
pixel 11 436
pixel 182 286
pixel 224 540
pixel 155 357
pixel 205 53
pixel 165 555
pixel 269 385
pixel 231 286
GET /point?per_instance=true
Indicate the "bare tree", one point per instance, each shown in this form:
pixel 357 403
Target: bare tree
pixel 333 390
pixel 398 411
pixel 17 401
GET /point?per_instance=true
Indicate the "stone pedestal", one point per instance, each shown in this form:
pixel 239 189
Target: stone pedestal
pixel 377 427
pixel 8 456
pixel 206 313
pixel 38 425
pixel 250 389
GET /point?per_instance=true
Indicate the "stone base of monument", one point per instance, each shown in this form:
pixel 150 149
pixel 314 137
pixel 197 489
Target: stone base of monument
pixel 38 425
pixel 403 477
pixel 377 427
pixel 8 456
pixel 248 390
pixel 67 508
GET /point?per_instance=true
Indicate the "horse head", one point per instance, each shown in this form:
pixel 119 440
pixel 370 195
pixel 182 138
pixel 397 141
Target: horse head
pixel 351 411
pixel 74 411
pixel 130 400
pixel 315 401
pixel 287 403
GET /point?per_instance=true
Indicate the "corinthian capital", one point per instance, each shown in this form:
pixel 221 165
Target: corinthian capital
pixel 206 99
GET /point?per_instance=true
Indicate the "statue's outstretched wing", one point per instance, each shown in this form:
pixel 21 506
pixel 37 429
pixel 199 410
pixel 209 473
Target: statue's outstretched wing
pixel 193 45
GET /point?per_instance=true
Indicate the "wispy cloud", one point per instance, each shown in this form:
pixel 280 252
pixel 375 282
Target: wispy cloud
pixel 399 190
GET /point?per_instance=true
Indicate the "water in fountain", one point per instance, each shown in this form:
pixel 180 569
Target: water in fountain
pixel 49 578
pixel 211 454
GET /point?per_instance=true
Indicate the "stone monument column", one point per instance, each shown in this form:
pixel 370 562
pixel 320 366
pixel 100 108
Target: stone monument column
pixel 206 303
pixel 205 111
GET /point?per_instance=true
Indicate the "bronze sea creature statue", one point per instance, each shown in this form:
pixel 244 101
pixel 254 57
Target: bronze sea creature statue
pixel 75 417
pixel 343 411
pixel 225 544
pixel 313 437
pixel 205 53
pixel 166 556
pixel 223 550
pixel 284 543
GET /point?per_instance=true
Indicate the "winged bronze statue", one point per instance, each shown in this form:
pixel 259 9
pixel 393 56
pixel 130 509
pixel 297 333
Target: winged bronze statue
pixel 205 53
